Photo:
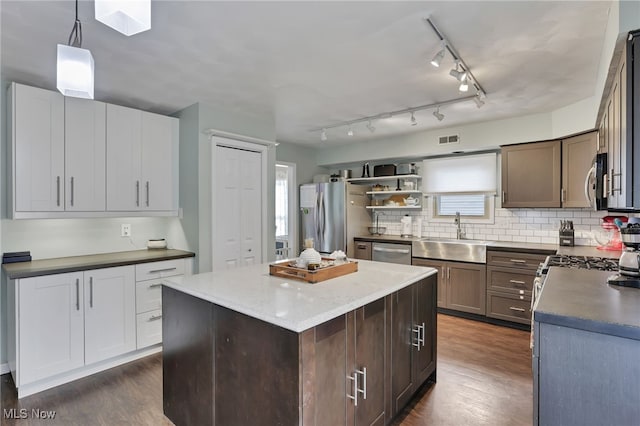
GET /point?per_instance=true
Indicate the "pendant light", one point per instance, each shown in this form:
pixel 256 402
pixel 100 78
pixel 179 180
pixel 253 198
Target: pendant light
pixel 126 16
pixel 75 65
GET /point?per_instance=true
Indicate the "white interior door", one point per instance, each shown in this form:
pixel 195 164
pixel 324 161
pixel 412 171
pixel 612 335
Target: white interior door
pixel 238 205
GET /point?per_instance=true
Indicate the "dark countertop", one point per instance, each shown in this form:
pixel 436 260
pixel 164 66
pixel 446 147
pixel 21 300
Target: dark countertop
pixel 534 248
pixel 61 265
pixel 582 299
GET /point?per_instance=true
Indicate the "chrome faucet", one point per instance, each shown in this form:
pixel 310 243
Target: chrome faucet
pixel 459 231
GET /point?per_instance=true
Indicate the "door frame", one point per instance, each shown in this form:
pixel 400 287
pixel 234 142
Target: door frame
pixel 292 188
pixel 264 202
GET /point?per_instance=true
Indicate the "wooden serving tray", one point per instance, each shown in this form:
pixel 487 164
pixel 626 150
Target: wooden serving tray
pixel 285 269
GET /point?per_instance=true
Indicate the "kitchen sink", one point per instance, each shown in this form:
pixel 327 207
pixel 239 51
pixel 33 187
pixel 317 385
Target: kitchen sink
pixel 474 251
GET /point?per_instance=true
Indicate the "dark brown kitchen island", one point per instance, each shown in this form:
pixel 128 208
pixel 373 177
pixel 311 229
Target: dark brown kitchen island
pixel 242 347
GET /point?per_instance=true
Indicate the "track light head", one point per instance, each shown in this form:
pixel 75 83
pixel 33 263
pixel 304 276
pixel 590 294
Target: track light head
pixel 323 135
pixel 370 127
pixel 464 85
pixel 350 131
pixel 437 114
pixel 478 100
pixel 413 119
pixel 457 73
pixel 438 57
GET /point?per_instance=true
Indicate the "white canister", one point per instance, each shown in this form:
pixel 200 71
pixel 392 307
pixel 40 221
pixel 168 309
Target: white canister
pixel 405 223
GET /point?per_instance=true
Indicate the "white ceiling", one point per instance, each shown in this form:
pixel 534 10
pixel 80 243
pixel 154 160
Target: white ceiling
pixel 314 64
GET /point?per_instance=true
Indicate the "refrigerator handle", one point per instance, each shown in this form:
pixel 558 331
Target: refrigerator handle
pixel 320 224
pixel 316 219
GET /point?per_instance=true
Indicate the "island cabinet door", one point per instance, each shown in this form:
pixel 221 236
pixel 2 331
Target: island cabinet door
pixel 403 334
pixel 325 380
pixel 368 370
pixel 425 309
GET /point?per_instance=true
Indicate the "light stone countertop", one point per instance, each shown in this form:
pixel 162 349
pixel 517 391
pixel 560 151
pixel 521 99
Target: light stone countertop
pixel 297 305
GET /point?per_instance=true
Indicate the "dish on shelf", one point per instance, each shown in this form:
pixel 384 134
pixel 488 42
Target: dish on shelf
pixel 410 201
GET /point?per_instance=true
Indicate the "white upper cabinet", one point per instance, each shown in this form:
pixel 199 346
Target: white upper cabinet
pixel 84 126
pixel 142 151
pixel 83 158
pixel 37 144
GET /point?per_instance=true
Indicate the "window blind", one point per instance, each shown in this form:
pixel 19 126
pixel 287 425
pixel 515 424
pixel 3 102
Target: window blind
pixel 466 174
pixel 465 204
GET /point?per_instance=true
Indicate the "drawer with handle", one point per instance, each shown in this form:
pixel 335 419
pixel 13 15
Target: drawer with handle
pixel 148 295
pixel 514 259
pixel 149 328
pixel 155 270
pixel 505 279
pixel 508 307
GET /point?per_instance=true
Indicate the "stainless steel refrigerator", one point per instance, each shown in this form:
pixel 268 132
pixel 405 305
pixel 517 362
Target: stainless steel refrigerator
pixel 332 214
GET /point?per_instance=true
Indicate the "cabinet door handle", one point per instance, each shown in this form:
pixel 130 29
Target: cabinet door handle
pixel 77 294
pixel 363 391
pixel 417 342
pixel 91 292
pixel 611 183
pixel 517 261
pixel 147 187
pixel 155 318
pixel 137 193
pixel 155 285
pixel 155 271
pixel 516 282
pixel 563 195
pixel 422 339
pixel 504 197
pixel 355 388
pixel 58 191
pixel 448 272
pixel 362 247
pixel 71 191
pixel 513 308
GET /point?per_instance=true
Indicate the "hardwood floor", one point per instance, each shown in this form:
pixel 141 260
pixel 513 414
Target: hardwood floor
pixel 484 378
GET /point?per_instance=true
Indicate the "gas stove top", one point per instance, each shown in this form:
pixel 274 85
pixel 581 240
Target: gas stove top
pixel 579 262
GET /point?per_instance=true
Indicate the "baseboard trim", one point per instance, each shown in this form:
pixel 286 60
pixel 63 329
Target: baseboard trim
pixel 50 382
pixel 4 368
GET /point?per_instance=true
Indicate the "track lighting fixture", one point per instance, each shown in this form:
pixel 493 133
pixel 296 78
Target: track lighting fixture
pixel 350 132
pixel 413 119
pixel 458 74
pixel 370 127
pixel 439 56
pixel 437 114
pixel 75 65
pixel 323 135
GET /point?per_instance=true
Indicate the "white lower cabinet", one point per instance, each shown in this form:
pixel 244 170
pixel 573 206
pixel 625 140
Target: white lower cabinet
pixel 109 313
pixel 67 321
pixel 149 277
pixel 51 319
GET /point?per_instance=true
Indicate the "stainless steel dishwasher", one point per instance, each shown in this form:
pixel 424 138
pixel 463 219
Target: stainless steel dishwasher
pixel 391 253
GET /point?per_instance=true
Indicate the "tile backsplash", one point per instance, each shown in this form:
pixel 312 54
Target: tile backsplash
pixel 517 225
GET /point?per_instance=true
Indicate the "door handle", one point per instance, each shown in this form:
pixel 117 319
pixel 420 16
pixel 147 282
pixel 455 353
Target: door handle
pixel 387 250
pixel 422 339
pixel 77 294
pixel 504 197
pixel 154 318
pixel 91 292
pixel 517 261
pixel 355 388
pixel 513 308
pixel 71 191
pixel 147 187
pixel 516 282
pixel 417 342
pixel 363 391
pixel 155 285
pixel 58 191
pixel 137 193
pixel 156 271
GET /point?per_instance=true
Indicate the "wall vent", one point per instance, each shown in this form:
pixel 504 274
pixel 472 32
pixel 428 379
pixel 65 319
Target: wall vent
pixel 445 140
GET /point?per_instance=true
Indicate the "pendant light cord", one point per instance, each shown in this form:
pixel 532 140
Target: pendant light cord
pixel 75 38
